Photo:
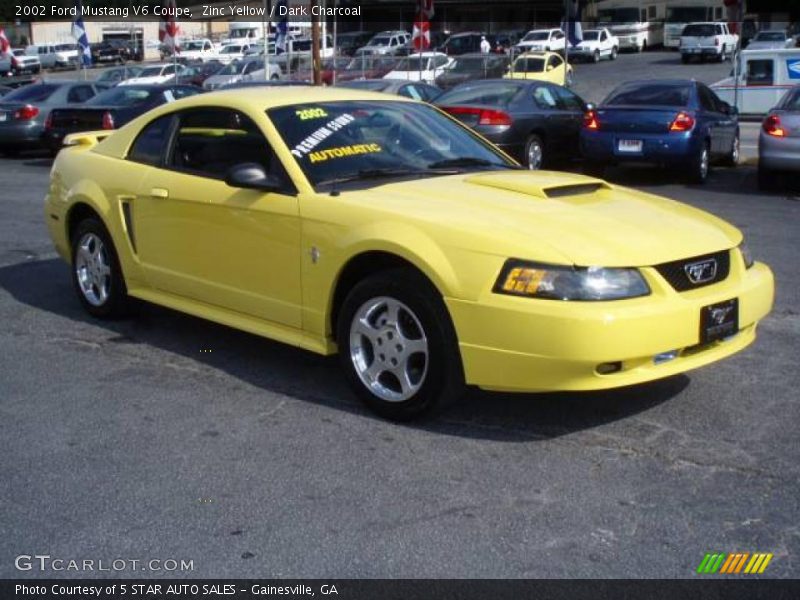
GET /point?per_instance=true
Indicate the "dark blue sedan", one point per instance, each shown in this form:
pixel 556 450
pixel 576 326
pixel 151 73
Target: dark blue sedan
pixel 677 123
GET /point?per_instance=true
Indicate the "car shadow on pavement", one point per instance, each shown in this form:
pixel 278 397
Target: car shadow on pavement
pixel 45 285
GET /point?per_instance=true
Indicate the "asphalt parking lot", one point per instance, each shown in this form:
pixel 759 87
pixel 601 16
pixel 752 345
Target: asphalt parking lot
pixel 168 437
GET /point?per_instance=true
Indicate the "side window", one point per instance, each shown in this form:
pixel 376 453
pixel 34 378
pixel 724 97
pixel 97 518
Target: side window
pixel 760 72
pixel 170 70
pixel 706 98
pixel 151 141
pixel 210 141
pixel 603 36
pixel 569 101
pixel 544 98
pixel 80 93
pixel 410 91
pixel 440 61
pixel 554 61
pixel 651 13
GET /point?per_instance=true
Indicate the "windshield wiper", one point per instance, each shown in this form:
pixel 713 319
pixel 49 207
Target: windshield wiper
pixel 467 161
pixel 381 173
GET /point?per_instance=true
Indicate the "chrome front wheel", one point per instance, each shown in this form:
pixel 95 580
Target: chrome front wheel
pixel 389 349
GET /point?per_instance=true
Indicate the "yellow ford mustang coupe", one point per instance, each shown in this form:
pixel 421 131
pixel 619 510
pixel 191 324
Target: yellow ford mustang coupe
pixel 382 229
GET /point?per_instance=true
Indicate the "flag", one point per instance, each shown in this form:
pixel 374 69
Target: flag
pixel 421 35
pixel 421 31
pixel 572 22
pixel 283 26
pixel 426 9
pixel 168 28
pixel 79 33
pixel 5 45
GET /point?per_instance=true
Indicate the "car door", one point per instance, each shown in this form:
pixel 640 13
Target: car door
pixel 714 121
pixel 199 238
pixel 728 122
pixel 545 109
pixel 572 109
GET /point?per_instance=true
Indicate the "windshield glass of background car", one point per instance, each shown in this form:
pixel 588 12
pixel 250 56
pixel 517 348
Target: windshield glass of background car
pixel 121 96
pixel 769 36
pixel 494 94
pixel 618 15
pixel 652 95
pixel 537 36
pixel 151 72
pixel 31 93
pixel 529 65
pixel 334 140
pixel 590 36
pixel 698 30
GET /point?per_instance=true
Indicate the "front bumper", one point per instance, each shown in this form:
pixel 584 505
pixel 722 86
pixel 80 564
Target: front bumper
pixel 526 345
pixel 781 154
pixel 672 148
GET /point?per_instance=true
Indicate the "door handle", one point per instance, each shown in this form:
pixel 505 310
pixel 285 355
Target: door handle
pixel 159 193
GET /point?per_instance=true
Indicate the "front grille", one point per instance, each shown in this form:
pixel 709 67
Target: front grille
pixel 676 273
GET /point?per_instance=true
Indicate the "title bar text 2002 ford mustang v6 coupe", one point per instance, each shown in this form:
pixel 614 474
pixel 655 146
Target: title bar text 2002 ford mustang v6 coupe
pixel 339 220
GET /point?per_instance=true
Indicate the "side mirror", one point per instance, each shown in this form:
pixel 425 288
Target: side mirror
pixel 252 176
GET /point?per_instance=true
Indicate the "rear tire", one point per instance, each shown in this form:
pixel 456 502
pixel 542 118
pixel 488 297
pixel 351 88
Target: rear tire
pixel 534 152
pixel 392 326
pixel 96 274
pixel 732 158
pixel 701 165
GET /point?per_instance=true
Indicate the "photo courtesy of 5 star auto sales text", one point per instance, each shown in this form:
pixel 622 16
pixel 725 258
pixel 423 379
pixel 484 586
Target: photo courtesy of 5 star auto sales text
pixel 399 299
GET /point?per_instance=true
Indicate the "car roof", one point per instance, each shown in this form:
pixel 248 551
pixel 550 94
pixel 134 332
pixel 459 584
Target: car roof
pixel 538 54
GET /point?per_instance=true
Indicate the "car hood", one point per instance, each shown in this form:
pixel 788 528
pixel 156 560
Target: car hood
pixel 766 45
pixel 154 79
pixel 553 217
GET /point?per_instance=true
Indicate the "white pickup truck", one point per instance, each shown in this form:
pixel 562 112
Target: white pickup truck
pixel 704 40
pixel 200 49
pixel 596 44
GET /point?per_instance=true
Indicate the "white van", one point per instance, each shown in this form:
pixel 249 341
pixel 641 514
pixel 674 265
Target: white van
pixel 763 78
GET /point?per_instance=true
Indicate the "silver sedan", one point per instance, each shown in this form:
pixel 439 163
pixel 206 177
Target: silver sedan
pixel 779 140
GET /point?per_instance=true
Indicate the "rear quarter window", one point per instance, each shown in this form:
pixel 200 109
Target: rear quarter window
pixel 151 141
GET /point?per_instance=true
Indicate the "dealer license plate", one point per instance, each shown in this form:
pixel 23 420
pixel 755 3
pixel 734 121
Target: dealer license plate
pixel 630 145
pixel 718 321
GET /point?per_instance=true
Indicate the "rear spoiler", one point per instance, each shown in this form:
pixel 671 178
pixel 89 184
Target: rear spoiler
pixel 86 138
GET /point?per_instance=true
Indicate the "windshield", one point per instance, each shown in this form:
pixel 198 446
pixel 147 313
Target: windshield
pixel 494 94
pixel 769 36
pixel 122 96
pixel 359 139
pixel 412 63
pixel 231 49
pixel 700 30
pixel 151 72
pixel 529 65
pixel 618 15
pixel 65 47
pixel 591 35
pixel 654 94
pixel 379 41
pixel 242 33
pixel 195 45
pixel 31 93
pixel 536 36
pixel 234 68
pixel 471 64
pixel 686 14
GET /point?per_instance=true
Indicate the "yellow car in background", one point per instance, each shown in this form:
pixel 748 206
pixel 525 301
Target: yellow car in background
pixel 382 229
pixel 545 66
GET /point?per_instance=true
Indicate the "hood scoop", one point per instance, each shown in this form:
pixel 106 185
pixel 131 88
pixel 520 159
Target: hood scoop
pixel 541 184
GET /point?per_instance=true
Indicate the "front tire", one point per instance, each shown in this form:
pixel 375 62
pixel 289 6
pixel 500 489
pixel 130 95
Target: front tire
pixel 96 274
pixel 596 56
pixel 614 52
pixel 397 345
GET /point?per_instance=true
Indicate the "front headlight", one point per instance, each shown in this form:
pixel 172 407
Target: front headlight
pixel 520 278
pixel 747 257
